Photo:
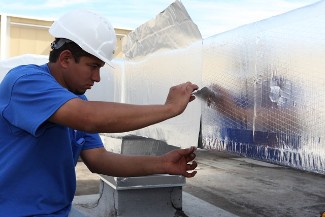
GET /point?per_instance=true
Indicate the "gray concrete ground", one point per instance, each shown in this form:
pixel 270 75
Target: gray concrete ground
pixel 229 185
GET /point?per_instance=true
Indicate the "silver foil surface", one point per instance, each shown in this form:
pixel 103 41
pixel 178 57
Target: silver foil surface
pixel 269 83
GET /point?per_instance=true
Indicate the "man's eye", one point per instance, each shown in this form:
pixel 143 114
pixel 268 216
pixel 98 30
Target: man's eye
pixel 94 66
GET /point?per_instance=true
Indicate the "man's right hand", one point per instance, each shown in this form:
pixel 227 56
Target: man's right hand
pixel 179 96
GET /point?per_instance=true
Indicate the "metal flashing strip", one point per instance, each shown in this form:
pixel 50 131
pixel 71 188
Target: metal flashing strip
pixel 143 182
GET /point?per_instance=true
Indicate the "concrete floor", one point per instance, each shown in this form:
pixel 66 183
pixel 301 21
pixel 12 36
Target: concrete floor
pixel 242 187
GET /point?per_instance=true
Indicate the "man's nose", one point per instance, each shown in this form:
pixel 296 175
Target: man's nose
pixel 96 76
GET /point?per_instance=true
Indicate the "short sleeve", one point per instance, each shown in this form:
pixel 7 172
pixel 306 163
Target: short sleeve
pixel 33 99
pixel 92 140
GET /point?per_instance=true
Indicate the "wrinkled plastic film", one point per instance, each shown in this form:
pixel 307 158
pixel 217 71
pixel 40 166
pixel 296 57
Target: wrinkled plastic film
pixel 171 29
pixel 164 52
pixel 269 79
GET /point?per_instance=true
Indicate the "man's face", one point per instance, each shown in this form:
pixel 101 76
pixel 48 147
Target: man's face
pixel 81 76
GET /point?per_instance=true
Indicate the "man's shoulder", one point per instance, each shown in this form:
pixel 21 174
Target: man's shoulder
pixel 29 69
pixel 26 70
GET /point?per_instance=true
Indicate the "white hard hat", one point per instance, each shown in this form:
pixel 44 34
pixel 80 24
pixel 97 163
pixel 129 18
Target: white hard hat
pixel 91 31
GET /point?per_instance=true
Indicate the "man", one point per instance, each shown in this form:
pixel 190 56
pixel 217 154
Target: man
pixel 46 122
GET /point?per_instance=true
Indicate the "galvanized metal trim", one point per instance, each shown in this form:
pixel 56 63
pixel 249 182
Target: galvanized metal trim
pixel 142 182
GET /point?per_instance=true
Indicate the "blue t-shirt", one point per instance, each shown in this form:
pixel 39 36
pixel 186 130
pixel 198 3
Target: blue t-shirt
pixel 37 158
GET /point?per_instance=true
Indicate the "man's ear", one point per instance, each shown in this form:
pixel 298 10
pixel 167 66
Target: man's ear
pixel 65 58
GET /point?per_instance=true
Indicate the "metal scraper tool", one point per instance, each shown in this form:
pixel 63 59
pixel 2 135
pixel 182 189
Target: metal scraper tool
pixel 205 93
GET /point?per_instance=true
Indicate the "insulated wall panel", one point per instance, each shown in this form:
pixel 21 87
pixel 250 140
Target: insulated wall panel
pixel 268 83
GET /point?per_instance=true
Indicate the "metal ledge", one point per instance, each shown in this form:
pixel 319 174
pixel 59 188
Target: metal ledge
pixel 142 182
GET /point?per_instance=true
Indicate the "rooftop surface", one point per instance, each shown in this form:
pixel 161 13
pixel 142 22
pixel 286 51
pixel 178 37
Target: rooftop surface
pixel 230 185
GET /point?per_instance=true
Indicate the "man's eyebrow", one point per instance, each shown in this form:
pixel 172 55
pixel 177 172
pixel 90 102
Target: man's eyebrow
pixel 97 64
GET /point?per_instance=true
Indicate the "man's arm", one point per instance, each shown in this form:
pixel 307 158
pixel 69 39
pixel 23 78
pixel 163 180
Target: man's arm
pixel 118 117
pixel 176 162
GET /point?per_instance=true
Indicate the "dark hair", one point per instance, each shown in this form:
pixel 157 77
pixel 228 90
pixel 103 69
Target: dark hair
pixel 75 49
